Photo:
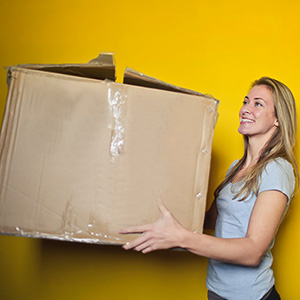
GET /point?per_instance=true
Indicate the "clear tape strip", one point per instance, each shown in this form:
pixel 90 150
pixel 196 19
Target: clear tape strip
pixel 117 95
pixel 69 236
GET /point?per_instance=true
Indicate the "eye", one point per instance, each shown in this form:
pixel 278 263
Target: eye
pixel 245 102
pixel 258 103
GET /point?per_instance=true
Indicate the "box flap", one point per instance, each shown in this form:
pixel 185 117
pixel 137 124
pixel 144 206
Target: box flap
pixel 102 67
pixel 134 77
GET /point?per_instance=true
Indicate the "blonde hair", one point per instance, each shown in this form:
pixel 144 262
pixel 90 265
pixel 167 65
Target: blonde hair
pixel 281 144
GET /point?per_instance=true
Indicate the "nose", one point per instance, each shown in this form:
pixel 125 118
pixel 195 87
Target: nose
pixel 246 109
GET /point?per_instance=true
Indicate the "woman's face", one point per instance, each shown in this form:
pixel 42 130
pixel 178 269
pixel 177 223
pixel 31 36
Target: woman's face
pixel 257 115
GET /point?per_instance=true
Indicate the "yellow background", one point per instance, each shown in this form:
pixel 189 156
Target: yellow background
pixel 215 47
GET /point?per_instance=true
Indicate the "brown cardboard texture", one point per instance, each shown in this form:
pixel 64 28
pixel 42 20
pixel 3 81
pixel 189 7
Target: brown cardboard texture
pixel 83 157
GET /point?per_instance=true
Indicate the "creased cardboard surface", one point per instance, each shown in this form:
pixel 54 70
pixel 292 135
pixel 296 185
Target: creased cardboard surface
pixel 63 178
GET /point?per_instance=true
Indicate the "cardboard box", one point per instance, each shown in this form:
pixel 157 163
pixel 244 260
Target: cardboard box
pixel 83 156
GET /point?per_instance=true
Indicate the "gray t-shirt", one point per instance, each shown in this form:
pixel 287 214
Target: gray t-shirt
pixel 236 282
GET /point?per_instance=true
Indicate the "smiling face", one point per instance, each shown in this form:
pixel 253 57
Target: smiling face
pixel 257 115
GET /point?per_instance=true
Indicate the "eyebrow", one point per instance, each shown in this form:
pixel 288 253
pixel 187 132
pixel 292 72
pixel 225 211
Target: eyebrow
pixel 256 98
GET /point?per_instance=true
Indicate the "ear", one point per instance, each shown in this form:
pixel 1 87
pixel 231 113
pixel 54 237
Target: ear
pixel 276 123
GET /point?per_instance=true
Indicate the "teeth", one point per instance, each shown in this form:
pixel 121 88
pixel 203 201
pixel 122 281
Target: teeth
pixel 247 120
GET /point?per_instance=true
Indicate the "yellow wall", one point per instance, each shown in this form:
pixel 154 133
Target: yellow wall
pixel 213 46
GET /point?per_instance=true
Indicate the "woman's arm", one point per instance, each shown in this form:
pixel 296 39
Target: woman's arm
pixel 263 224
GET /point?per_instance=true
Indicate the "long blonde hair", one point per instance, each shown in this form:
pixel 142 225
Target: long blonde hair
pixel 281 144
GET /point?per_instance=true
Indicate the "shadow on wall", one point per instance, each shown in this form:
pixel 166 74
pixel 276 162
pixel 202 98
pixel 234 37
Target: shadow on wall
pixel 84 253
pixel 216 175
pixel 68 269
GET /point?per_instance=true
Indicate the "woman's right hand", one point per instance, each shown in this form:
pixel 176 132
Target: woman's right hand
pixel 165 233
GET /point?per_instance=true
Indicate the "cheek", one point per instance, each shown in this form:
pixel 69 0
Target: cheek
pixel 259 114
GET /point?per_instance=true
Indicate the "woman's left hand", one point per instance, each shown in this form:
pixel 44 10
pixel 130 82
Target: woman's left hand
pixel 165 233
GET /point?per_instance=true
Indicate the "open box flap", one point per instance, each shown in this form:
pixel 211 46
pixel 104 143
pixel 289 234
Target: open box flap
pixel 134 77
pixel 102 67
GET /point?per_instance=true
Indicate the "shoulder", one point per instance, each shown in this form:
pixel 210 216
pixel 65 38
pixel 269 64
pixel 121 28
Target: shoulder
pixel 278 175
pixel 232 165
pixel 280 165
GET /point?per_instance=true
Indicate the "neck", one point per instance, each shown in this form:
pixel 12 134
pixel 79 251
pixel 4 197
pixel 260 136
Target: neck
pixel 254 149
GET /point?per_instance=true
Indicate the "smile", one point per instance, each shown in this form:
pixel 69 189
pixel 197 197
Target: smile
pixel 247 121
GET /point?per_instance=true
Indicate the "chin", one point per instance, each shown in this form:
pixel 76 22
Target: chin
pixel 243 132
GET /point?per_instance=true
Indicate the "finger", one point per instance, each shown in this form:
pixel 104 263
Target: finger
pixel 147 250
pixel 135 229
pixel 136 243
pixel 142 247
pixel 162 208
pixel 145 247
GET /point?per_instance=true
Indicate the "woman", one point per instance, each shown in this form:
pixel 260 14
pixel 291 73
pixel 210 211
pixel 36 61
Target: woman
pixel 249 204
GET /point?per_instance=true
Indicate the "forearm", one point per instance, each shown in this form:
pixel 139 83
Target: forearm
pixel 243 251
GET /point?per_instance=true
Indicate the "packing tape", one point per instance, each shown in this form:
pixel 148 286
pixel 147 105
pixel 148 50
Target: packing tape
pixel 117 95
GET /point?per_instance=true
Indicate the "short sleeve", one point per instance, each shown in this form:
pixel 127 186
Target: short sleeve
pixel 278 175
pixel 231 166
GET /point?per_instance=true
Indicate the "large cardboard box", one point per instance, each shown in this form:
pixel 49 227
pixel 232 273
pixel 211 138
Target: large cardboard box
pixel 83 156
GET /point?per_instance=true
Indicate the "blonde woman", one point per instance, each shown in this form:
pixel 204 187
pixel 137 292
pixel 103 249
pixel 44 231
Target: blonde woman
pixel 249 204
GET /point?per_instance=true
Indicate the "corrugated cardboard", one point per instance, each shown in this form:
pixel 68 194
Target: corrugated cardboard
pixel 82 157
